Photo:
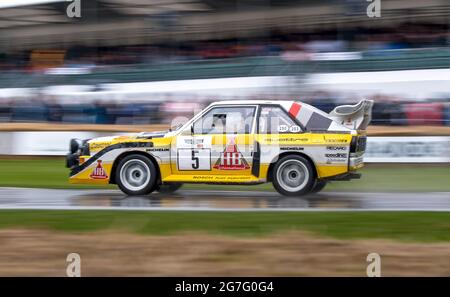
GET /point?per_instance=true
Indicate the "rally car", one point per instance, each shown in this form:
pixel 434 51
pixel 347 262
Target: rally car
pixel 296 146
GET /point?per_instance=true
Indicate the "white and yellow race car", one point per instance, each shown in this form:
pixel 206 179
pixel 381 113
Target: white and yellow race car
pixel 291 144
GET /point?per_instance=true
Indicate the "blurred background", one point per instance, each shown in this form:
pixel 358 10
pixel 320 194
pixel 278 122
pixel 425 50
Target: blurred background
pixel 146 62
pixel 88 68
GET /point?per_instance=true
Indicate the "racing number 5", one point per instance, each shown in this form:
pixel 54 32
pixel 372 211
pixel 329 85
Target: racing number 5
pixel 195 159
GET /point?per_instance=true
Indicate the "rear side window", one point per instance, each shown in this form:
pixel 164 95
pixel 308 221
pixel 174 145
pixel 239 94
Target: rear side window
pixel 275 120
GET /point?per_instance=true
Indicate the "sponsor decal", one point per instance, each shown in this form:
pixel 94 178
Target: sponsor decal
pixel 335 140
pixel 231 158
pixel 157 150
pixel 336 155
pixel 334 160
pixel 99 172
pixel 203 177
pixel 289 139
pixel 218 178
pixel 283 128
pixel 194 152
pixel 336 148
pixel 199 142
pixel 291 148
pixel 294 129
pixel 286 128
pixel 194 141
pixel 98 146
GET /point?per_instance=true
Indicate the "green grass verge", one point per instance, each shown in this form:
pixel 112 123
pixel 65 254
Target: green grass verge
pixel 51 173
pixel 37 173
pixel 402 226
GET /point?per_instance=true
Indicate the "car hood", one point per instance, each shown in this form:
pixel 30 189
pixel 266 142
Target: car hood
pixel 99 143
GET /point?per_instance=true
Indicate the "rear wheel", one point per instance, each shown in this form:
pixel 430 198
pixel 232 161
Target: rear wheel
pixel 293 176
pixel 318 186
pixel 168 188
pixel 136 175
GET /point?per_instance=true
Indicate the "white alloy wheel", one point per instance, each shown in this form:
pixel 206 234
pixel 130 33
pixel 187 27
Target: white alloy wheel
pixel 292 175
pixel 135 175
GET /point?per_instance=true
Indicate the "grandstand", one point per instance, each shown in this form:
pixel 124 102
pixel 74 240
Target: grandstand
pixel 285 48
pixel 122 22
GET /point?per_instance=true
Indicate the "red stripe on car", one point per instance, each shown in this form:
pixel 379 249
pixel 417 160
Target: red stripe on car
pixel 295 108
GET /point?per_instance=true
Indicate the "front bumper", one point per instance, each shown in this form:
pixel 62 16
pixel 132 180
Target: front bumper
pixel 78 149
pixel 72 160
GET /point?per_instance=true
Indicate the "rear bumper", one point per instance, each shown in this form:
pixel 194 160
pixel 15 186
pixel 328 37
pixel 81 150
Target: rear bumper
pixel 345 176
pixel 356 161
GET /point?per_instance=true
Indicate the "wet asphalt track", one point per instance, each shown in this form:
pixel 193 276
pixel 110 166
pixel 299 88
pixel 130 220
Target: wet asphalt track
pixel 20 198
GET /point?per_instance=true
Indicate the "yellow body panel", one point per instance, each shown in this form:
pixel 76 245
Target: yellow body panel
pixel 304 139
pixel 84 176
pixel 330 170
pixel 211 178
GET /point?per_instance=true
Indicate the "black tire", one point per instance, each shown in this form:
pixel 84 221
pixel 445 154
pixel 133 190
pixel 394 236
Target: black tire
pixel 136 175
pixel 293 176
pixel 318 186
pixel 168 188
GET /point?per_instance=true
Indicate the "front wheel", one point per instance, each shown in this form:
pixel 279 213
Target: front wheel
pixel 136 175
pixel 293 176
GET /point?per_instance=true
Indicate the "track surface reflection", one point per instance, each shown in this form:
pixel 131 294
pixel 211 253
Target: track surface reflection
pixel 11 198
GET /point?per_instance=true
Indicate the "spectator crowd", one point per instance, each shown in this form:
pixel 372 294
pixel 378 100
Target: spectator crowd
pixel 276 43
pixel 387 111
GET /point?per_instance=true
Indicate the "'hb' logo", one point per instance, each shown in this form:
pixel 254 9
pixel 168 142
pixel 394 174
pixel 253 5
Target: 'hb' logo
pixel 74 9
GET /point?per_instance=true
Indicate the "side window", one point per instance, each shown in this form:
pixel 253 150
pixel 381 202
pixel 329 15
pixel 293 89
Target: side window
pixel 226 120
pixel 274 120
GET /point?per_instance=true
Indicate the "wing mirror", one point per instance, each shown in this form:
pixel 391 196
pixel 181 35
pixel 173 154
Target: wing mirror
pixel 192 129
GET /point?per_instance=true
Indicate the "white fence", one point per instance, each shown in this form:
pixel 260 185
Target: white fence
pixel 423 149
pixel 41 143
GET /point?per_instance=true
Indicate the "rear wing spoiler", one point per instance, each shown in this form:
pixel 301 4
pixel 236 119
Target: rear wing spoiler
pixel 356 117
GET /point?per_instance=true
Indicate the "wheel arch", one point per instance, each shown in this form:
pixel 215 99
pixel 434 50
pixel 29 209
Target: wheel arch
pixel 112 179
pixel 291 153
